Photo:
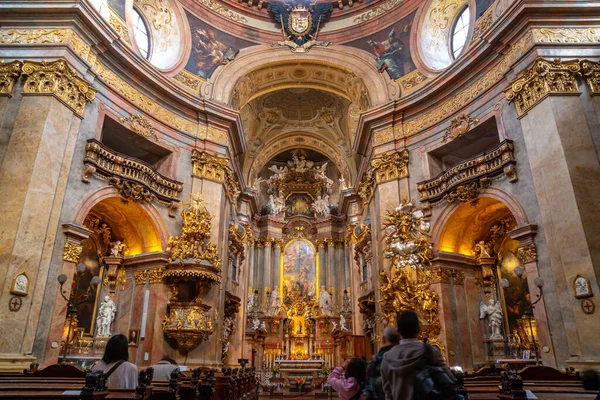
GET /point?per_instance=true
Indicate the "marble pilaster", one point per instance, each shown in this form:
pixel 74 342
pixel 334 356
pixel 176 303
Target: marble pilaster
pixel 276 265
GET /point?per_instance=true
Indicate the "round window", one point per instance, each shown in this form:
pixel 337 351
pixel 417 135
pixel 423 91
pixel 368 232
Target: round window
pixel 141 34
pixel 460 31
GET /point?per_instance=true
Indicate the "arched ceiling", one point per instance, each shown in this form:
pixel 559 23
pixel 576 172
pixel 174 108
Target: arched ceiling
pixel 300 104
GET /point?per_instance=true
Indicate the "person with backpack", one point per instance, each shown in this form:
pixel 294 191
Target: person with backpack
pixel 349 379
pixel 120 374
pixel 414 370
pixel 374 389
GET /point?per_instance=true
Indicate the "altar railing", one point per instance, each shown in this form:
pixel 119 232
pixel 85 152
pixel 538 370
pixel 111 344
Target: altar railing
pixel 109 163
pixel 499 160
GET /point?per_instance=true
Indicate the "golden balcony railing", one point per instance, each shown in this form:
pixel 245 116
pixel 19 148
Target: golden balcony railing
pixel 135 176
pixel 464 180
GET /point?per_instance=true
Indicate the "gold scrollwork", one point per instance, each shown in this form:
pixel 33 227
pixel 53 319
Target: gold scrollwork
pixel 467 192
pixel 189 80
pixel 119 26
pixel 381 169
pixel 458 277
pixel 566 35
pixel 383 136
pixel 140 277
pixel 440 275
pixel 411 80
pixel 216 168
pixel 527 254
pixel 132 190
pixel 543 78
pixel 58 79
pixel 9 73
pixel 72 252
pixel 459 126
pixel 140 125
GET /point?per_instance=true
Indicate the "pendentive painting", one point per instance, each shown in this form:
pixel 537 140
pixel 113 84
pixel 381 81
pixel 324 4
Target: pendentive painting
pixel 298 204
pixel 210 47
pixel 391 47
pixel 299 272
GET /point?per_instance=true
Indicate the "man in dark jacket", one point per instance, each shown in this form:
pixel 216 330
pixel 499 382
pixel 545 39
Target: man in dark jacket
pixel 374 389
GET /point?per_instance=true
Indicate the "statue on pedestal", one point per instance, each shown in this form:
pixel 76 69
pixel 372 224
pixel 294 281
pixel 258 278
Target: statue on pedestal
pixel 343 326
pixel 274 303
pixel 106 315
pixel 325 303
pixel 495 316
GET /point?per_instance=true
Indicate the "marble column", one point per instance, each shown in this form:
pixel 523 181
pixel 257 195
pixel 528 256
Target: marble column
pixel 565 170
pixel 276 273
pixel 322 254
pixel 251 266
pixel 33 179
pixel 268 254
pixel 331 278
pixel 75 235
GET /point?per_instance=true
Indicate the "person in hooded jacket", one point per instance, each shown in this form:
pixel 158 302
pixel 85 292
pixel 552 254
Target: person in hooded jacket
pixel 401 363
pixel 374 389
pixel 349 379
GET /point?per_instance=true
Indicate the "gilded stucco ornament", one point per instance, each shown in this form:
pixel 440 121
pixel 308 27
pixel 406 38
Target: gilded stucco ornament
pixel 542 79
pixel 216 168
pixel 381 169
pixel 467 192
pixel 459 126
pixel 406 285
pixel 591 74
pixel 527 254
pixel 72 252
pixel 56 78
pixel 141 125
pixel 9 73
pixel 132 190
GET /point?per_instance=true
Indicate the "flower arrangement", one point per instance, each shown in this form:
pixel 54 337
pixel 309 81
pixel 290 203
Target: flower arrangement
pixel 300 381
pixel 275 369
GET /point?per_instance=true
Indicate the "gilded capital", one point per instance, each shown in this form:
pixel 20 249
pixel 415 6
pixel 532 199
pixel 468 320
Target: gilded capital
pixel 383 168
pixel 542 79
pixel 527 254
pixel 591 74
pixel 9 73
pixel 72 252
pixel 216 168
pixel 58 79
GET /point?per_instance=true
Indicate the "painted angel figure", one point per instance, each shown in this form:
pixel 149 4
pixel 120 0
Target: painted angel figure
pixel 495 316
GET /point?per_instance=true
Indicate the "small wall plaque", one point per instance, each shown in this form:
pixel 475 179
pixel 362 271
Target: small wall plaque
pixel 20 285
pixel 15 304
pixel 582 287
pixel 588 306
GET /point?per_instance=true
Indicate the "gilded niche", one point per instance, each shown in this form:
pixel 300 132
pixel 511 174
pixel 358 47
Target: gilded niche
pixel 9 72
pixel 543 78
pixel 58 79
pixel 381 169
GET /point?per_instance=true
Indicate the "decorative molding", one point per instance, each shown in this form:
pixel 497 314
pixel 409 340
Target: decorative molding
pixel 527 253
pixel 440 275
pixel 377 11
pixel 468 95
pixel 458 277
pixel 140 125
pixel 72 252
pixel 223 11
pixel 483 23
pixel 119 26
pixel 542 79
pixel 566 35
pixel 154 275
pixel 464 181
pixel 411 80
pixel 189 80
pixel 459 126
pixel 383 136
pixel 383 168
pixel 217 135
pixel 142 101
pixel 9 73
pixel 216 168
pixel 134 177
pixel 49 37
pixel 591 75
pixel 57 79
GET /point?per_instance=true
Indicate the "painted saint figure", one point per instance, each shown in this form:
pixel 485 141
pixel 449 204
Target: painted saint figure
pixel 106 315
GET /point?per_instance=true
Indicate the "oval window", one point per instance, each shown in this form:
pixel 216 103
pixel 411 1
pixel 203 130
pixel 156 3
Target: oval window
pixel 141 34
pixel 460 32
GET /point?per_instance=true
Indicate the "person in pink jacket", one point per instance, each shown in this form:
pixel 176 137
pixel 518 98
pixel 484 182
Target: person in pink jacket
pixel 349 379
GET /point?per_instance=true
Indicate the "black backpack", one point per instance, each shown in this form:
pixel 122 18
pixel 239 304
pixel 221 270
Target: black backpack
pixel 432 382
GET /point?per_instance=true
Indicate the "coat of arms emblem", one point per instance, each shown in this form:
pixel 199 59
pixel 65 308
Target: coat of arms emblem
pixel 300 20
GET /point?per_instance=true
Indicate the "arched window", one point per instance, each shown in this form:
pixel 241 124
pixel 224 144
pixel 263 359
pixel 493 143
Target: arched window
pixel 141 34
pixel 460 31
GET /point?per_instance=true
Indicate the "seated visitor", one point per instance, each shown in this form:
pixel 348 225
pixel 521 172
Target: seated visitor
pixel 349 379
pixel 374 389
pixel 120 373
pixel 163 369
pixel 402 362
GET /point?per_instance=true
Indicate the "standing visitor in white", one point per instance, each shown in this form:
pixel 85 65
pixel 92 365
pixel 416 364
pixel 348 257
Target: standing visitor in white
pixel 493 311
pixel 106 315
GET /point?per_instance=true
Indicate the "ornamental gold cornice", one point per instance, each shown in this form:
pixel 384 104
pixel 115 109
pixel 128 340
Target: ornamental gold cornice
pixel 483 23
pixel 189 80
pixel 464 181
pixel 566 35
pixel 440 275
pixel 58 79
pixel 542 79
pixel 141 126
pixel 527 254
pixel 72 252
pixel 591 75
pixel 119 26
pixel 216 168
pixel 383 168
pixel 9 73
pixel 458 277
pixel 278 243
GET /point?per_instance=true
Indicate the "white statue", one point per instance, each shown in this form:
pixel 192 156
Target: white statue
pixel 321 206
pixel 106 315
pixel 250 302
pixel 117 249
pixel 343 183
pixel 279 173
pixel 325 303
pixel 256 184
pixel 346 303
pixel 343 326
pixel 227 328
pixel 255 324
pixel 274 303
pixel 277 204
pixel 493 311
pixel 334 326
pixel 263 326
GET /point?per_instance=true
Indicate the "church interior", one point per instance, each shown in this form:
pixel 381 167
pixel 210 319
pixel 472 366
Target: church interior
pixel 263 186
